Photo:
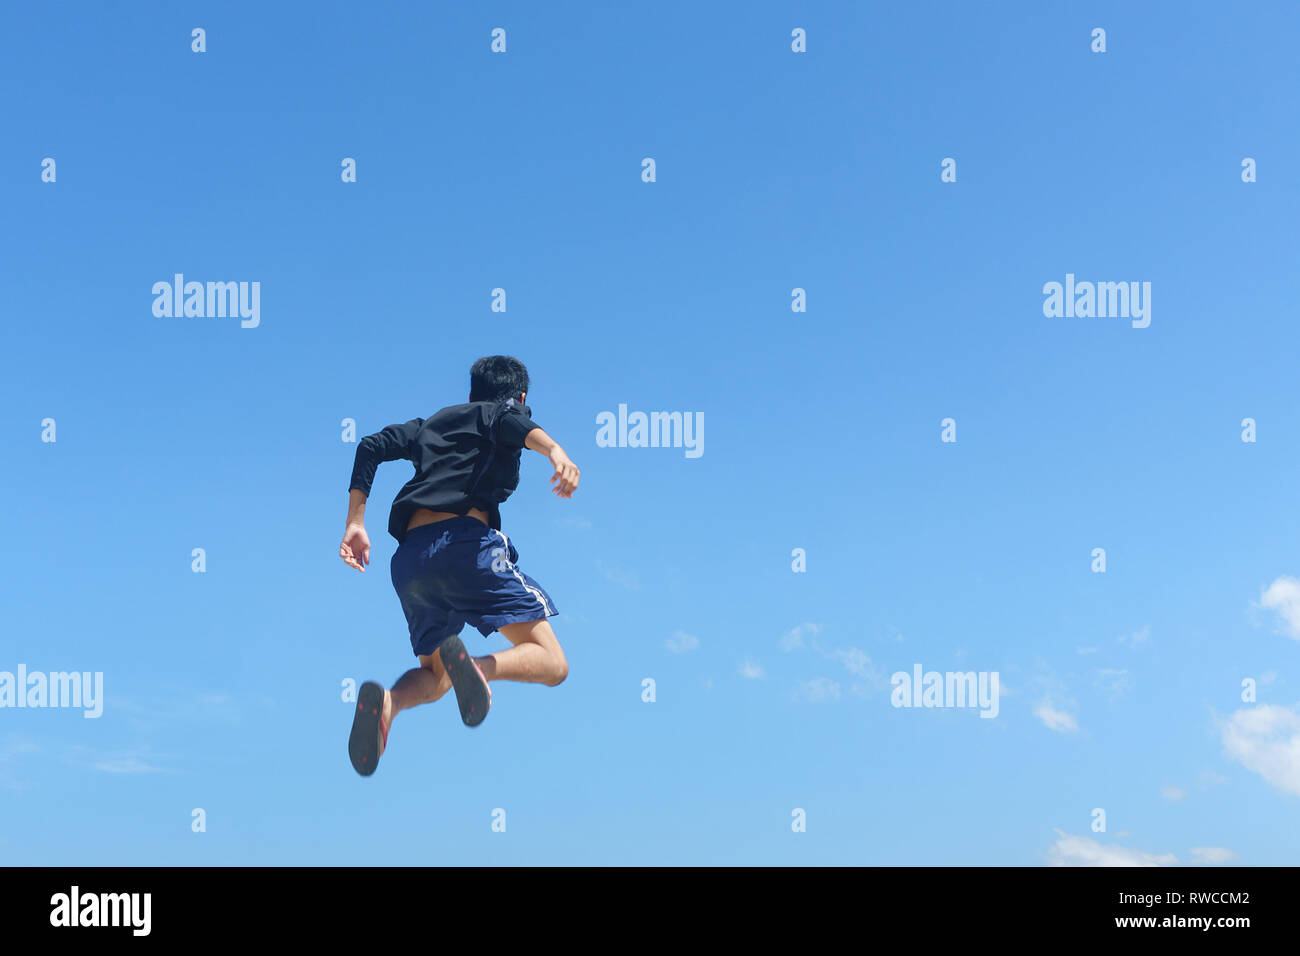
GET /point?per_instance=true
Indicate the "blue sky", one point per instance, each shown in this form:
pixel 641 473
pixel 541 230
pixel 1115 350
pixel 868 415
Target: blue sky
pixel 775 170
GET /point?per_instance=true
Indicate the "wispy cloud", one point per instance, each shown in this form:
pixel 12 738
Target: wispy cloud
pixel 1070 850
pixel 1266 739
pixel 624 579
pixel 858 663
pixel 1173 793
pixel 817 691
pixel 853 659
pixel 797 637
pixel 137 760
pixel 1212 854
pixel 751 670
pixel 1137 638
pixel 1211 778
pixel 1056 708
pixel 183 704
pixel 1282 597
pixel 682 643
pixel 1054 719
pixel 124 763
pixel 1113 682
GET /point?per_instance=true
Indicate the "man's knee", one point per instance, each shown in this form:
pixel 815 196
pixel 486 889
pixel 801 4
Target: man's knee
pixel 560 671
pixel 540 634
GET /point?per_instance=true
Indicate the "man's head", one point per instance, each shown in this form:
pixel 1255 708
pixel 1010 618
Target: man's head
pixel 497 377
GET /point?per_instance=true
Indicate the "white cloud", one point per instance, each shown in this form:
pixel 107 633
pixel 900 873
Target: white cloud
pixel 624 579
pixel 1056 708
pixel 1212 854
pixel 1209 778
pixel 854 659
pixel 1140 636
pixel 818 691
pixel 856 662
pixel 1058 720
pixel 1070 850
pixel 139 760
pixel 682 643
pixel 1283 598
pixel 1173 793
pixel 793 639
pixel 751 670
pixel 124 763
pixel 1266 740
pixel 1115 683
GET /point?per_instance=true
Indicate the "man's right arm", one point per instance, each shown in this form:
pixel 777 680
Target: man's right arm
pixel 566 474
pixel 391 444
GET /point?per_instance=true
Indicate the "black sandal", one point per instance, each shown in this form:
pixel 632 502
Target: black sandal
pixel 368 731
pixel 472 691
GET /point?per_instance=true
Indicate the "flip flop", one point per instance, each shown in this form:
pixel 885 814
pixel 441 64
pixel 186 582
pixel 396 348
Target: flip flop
pixel 369 735
pixel 472 691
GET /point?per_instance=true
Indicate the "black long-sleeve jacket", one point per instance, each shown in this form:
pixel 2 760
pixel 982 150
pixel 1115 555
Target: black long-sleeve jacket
pixel 465 456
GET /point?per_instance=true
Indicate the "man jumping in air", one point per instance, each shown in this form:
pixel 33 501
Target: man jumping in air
pixel 453 565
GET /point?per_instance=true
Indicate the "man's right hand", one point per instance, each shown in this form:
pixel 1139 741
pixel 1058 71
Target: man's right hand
pixel 355 549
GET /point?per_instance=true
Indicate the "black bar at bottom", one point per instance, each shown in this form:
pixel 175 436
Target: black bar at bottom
pixel 739 905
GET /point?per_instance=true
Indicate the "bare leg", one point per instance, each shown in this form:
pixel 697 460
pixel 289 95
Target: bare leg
pixel 419 685
pixel 536 657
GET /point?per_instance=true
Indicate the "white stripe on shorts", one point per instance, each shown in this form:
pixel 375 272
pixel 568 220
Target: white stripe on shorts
pixel 546 608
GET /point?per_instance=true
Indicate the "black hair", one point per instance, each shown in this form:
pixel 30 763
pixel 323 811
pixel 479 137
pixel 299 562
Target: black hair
pixel 495 378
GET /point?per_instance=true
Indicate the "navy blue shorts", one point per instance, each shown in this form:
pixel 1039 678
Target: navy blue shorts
pixel 460 571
